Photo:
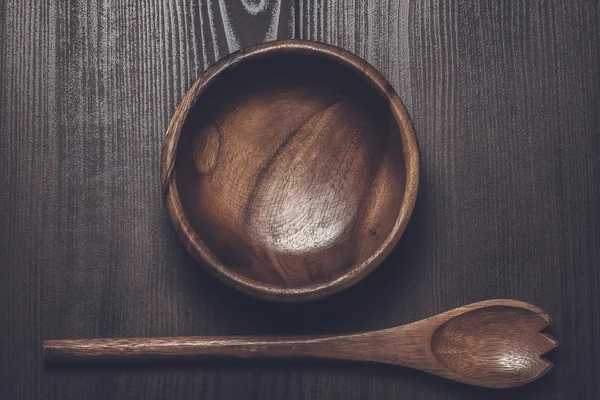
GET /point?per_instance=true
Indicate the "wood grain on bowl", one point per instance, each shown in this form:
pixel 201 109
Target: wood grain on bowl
pixel 290 169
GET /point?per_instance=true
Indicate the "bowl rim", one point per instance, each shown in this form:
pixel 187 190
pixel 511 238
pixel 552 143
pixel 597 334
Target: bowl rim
pixel 194 244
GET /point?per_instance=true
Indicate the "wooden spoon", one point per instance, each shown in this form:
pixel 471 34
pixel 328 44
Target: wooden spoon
pixel 495 343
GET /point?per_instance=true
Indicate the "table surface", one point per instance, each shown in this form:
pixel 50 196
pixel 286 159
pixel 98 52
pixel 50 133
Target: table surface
pixel 505 99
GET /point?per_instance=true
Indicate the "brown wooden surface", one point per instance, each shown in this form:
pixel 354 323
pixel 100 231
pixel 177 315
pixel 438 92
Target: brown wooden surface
pixel 492 343
pixel 290 170
pixel 504 96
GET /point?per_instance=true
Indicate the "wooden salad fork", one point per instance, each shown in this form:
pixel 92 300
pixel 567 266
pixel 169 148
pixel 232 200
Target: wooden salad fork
pixel 495 343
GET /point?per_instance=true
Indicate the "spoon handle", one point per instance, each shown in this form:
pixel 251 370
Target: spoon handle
pixel 345 347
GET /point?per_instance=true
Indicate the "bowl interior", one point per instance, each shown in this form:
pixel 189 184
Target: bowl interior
pixel 290 169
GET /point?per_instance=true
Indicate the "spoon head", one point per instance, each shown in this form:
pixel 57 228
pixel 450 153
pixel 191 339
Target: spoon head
pixel 496 346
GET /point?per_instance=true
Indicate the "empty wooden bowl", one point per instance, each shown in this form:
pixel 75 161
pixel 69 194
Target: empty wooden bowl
pixel 290 170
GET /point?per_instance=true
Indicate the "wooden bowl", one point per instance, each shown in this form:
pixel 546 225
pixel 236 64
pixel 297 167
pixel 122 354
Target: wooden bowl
pixel 290 169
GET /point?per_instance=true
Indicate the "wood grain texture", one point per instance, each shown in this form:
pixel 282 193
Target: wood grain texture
pixel 376 30
pixel 504 96
pixel 87 90
pixel 493 343
pixel 290 170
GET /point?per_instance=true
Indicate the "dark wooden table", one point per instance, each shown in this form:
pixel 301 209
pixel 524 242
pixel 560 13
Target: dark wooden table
pixel 505 98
